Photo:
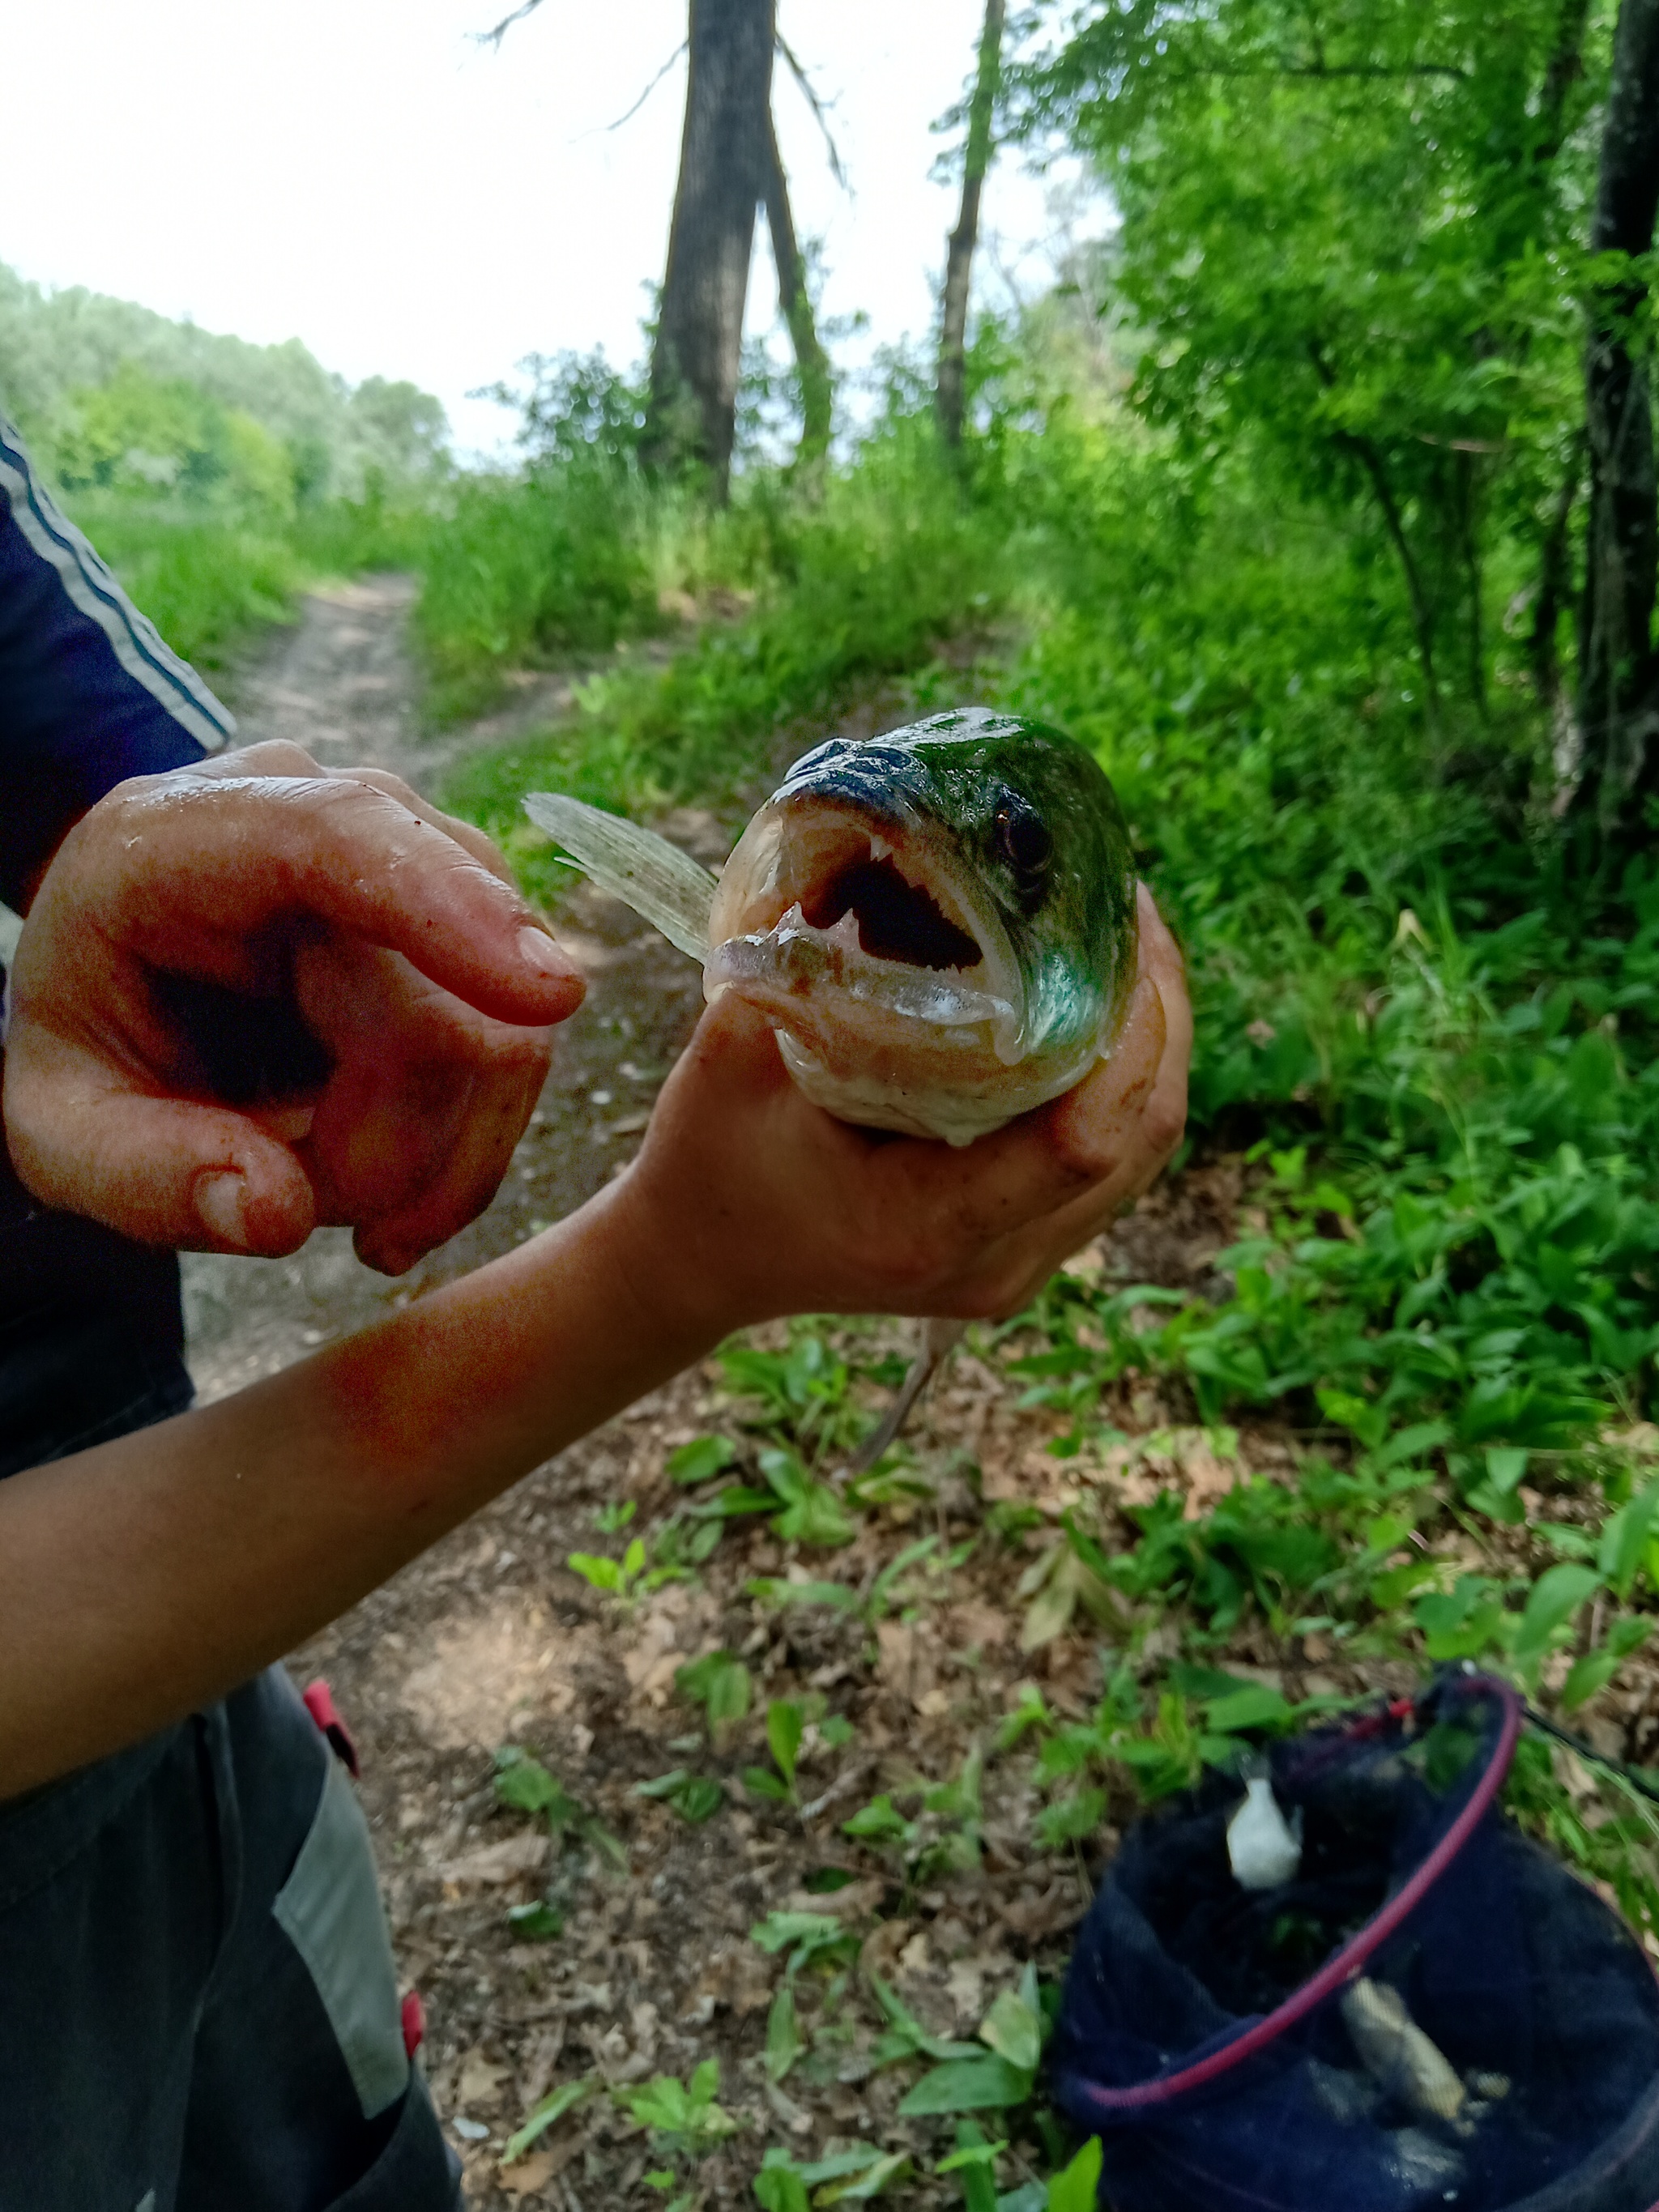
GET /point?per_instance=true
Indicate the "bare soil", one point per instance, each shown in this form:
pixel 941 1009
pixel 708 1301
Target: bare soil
pixel 491 1639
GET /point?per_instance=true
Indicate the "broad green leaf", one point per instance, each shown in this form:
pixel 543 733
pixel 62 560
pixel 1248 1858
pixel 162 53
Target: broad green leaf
pixel 779 2189
pixel 1625 1539
pixel 968 2084
pixel 602 1573
pixel 706 2080
pixel 525 1784
pixel 1556 1596
pixel 852 2160
pixel 1396 1584
pixel 875 2181
pixel 535 1924
pixel 548 2113
pixel 737 1498
pixel 759 1782
pixel 1077 2190
pixel 910 2033
pixel 1590 1675
pixel 720 1684
pixel 877 1822
pixel 695 1797
pixel 1461 1623
pixel 804 1932
pixel 1629 1635
pixel 773 1589
pixel 786 1723
pixel 818 1517
pixel 978 2151
pixel 1256 1705
pixel 1505 1465
pixel 1068 1820
pixel 1013 2032
pixel 784 2040
pixel 701 1459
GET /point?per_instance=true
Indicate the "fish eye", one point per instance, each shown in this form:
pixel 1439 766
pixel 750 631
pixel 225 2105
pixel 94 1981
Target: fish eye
pixel 1025 841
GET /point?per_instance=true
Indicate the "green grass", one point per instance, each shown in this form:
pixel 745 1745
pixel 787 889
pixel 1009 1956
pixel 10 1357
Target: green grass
pixel 207 585
pixel 1438 1058
pixel 211 582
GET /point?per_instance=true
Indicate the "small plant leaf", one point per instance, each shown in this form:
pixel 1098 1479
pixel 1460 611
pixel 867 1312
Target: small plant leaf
pixel 875 2181
pixel 1013 2031
pixel 542 2117
pixel 535 1924
pixel 785 1726
pixel 761 1782
pixel 784 2040
pixel 700 1460
pixel 1556 1596
pixel 877 1822
pixel 1078 2188
pixel 601 1573
pixel 986 2084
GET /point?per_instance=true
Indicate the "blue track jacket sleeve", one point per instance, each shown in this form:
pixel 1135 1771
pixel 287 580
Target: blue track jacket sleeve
pixel 89 694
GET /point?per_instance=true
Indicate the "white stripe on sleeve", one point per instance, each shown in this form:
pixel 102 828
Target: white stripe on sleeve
pixel 137 644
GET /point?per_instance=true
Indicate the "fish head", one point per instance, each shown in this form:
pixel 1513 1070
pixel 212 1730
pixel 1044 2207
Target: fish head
pixel 940 922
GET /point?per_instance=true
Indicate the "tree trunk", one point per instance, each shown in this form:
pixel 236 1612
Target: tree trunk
pixel 1566 743
pixel 725 159
pixel 959 262
pixel 816 394
pixel 1619 701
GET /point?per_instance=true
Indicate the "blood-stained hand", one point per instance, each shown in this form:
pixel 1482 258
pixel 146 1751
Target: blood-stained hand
pixel 256 994
pixel 747 1202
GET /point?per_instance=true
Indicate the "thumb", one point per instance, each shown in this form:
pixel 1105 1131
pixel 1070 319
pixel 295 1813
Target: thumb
pixel 162 1170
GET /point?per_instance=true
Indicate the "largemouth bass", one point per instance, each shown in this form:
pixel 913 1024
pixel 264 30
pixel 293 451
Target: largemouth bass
pixel 940 922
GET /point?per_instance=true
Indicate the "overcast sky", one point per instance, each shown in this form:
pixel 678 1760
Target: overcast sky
pixel 363 175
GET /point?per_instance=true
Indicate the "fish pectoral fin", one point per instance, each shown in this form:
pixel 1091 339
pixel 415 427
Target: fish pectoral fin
pixel 673 892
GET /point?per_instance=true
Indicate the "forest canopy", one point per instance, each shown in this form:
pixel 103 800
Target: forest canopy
pixel 116 397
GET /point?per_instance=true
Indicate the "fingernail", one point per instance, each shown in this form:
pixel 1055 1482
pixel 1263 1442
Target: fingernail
pixel 219 1200
pixel 537 950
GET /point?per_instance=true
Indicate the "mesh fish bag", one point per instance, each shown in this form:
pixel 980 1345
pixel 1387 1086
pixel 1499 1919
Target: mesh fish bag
pixel 1430 2012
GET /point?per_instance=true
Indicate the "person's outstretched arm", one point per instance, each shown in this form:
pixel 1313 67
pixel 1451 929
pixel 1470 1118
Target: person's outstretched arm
pixel 141 1578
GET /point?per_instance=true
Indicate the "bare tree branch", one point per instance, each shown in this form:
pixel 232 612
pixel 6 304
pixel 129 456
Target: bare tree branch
pixel 816 105
pixel 649 89
pixel 493 37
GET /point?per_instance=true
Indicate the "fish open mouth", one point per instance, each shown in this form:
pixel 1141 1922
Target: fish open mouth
pixel 820 906
pixel 896 918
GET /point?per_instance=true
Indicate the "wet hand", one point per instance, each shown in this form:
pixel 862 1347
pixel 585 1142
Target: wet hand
pixel 256 994
pixel 746 1202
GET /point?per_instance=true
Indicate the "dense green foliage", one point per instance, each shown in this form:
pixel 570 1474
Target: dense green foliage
pixel 1356 238
pixel 100 378
pixel 217 477
pixel 1283 571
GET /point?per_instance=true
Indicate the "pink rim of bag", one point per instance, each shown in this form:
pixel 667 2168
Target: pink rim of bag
pixel 1343 1965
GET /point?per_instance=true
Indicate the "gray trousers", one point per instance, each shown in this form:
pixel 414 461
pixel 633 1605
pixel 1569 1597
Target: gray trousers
pixel 198 2008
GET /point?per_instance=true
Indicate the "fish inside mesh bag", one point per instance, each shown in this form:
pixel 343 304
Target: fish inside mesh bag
pixel 1432 2012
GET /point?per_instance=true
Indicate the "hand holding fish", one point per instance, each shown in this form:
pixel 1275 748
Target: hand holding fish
pixel 256 994
pixel 387 934
pixel 941 928
pixel 748 1201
